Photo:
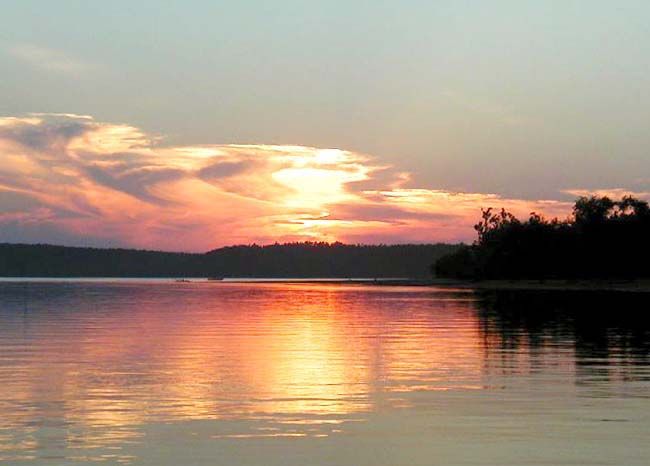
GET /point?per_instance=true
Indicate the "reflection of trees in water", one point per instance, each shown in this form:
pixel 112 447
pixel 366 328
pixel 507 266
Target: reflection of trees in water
pixel 608 332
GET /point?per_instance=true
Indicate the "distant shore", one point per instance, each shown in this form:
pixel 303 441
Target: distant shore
pixel 641 285
pixel 638 286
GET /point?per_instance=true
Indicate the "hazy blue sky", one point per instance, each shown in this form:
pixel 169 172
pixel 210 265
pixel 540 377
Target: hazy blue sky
pixel 520 98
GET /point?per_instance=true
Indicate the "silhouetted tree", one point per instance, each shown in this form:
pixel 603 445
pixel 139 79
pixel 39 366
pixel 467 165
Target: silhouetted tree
pixel 603 239
pixel 590 211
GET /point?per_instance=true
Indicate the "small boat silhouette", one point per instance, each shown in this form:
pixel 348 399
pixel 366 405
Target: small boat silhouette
pixel 212 279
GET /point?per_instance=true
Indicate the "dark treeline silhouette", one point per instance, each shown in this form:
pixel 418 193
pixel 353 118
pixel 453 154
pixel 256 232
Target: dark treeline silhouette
pixel 310 260
pixel 603 239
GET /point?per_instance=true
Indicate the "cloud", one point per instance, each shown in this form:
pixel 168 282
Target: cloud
pixel 133 181
pixel 613 193
pixel 51 60
pixel 380 212
pixel 223 170
pixel 69 178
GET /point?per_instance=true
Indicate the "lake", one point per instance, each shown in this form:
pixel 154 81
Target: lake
pixel 153 372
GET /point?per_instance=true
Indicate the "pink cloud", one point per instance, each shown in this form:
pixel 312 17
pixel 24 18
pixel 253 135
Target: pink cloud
pixel 104 183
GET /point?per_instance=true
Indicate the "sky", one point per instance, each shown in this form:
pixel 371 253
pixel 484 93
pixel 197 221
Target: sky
pixel 196 124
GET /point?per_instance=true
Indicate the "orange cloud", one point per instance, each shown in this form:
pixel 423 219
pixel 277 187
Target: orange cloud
pixel 613 193
pixel 71 179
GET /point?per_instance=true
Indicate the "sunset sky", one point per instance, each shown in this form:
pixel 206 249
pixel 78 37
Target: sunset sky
pixel 197 124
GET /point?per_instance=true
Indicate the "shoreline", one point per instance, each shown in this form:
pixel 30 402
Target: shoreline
pixel 639 286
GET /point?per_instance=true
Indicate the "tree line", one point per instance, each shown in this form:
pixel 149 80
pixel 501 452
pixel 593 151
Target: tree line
pixel 602 239
pixel 290 260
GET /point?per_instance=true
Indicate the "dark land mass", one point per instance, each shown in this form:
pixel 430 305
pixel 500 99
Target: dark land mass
pixel 310 260
pixel 603 240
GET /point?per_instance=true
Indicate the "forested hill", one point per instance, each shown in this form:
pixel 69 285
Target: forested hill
pixel 310 260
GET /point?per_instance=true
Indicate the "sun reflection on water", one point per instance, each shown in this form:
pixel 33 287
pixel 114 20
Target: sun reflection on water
pixel 87 366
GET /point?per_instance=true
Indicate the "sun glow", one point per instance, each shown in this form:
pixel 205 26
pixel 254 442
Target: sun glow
pixel 315 187
pixel 292 356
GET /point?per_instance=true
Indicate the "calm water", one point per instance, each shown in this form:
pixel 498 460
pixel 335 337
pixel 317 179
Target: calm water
pixel 162 373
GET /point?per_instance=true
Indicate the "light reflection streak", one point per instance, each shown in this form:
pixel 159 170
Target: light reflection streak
pixel 289 360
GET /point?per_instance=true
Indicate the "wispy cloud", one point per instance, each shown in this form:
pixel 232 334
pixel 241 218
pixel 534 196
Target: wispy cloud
pixel 70 176
pixel 614 193
pixel 50 60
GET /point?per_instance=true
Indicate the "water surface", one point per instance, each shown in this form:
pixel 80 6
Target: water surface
pixel 152 372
